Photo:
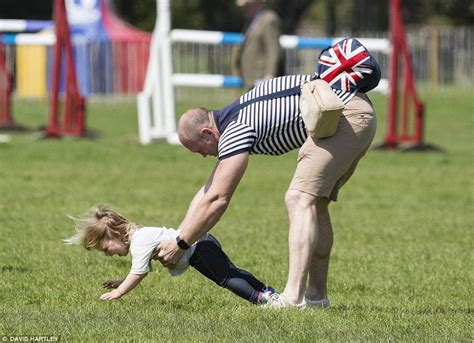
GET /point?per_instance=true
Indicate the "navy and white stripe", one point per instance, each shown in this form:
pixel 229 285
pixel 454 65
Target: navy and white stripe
pixel 271 127
pixel 343 95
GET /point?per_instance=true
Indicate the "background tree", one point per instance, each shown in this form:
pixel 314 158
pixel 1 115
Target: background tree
pixel 24 9
pixel 369 15
pixel 290 12
pixel 454 12
pixel 141 14
pixel 331 15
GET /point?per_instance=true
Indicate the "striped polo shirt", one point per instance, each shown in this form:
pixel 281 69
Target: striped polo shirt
pixel 271 127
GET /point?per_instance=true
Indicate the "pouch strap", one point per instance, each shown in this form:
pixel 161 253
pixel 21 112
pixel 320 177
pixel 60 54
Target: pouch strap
pixel 279 94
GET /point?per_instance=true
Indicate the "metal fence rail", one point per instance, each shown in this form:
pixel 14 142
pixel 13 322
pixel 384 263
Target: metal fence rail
pixel 443 56
pixel 440 56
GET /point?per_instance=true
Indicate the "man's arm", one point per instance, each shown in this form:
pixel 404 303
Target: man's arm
pixel 192 206
pixel 204 213
pixel 130 282
pixel 218 192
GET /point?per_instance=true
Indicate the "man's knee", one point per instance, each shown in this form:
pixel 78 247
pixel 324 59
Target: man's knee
pixel 299 200
pixel 296 200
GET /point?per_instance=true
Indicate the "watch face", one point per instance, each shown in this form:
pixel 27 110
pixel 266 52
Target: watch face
pixel 181 243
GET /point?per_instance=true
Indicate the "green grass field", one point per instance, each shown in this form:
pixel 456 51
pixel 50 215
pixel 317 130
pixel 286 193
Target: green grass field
pixel 402 260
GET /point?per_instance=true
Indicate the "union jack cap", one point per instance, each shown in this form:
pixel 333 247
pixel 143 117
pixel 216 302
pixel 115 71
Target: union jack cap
pixel 349 68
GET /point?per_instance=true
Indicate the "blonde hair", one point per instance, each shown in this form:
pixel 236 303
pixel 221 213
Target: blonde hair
pixel 103 223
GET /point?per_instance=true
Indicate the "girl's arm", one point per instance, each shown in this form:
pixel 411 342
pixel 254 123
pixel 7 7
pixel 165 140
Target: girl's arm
pixel 112 284
pixel 130 282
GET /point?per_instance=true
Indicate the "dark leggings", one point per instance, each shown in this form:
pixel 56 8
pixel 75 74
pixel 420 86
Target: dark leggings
pixel 209 259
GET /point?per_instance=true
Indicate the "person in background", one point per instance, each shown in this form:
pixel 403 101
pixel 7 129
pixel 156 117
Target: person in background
pixel 260 56
pixel 108 231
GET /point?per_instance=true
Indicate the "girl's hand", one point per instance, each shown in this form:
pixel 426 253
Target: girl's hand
pixel 111 295
pixel 112 283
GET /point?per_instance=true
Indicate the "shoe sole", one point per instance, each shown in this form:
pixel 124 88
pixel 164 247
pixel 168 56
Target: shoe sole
pixel 318 303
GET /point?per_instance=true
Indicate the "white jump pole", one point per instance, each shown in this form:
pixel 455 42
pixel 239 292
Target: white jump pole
pixel 164 29
pixel 158 85
pixel 145 124
pixel 157 99
pixel 150 91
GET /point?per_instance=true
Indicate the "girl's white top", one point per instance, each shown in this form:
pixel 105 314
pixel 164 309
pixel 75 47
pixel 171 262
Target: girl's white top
pixel 142 246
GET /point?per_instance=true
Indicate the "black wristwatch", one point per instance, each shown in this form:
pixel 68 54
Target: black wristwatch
pixel 182 244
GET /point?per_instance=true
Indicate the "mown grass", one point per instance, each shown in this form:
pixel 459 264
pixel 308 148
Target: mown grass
pixel 402 261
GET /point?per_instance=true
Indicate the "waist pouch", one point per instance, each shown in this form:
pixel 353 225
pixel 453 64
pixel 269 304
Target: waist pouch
pixel 320 108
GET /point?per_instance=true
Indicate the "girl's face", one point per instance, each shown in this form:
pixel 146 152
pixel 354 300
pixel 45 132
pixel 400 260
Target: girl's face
pixel 114 246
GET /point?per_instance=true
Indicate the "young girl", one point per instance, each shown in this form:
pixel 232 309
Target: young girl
pixel 113 234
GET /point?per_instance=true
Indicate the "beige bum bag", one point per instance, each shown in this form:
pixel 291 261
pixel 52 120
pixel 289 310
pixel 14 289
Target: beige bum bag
pixel 320 108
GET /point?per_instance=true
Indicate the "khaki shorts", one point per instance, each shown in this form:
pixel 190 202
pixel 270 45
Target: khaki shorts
pixel 325 165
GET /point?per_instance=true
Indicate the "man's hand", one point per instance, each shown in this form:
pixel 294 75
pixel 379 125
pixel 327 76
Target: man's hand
pixel 168 253
pixel 111 295
pixel 112 283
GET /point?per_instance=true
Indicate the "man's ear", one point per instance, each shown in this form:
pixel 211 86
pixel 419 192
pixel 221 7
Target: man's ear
pixel 206 131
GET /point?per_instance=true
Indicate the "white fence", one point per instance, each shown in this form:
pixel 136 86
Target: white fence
pixel 440 56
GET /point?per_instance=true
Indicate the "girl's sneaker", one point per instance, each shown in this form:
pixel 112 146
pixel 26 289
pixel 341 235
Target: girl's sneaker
pixel 265 294
pixel 269 289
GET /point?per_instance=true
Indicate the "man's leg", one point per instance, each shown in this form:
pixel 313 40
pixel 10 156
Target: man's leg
pixel 323 167
pixel 318 268
pixel 302 240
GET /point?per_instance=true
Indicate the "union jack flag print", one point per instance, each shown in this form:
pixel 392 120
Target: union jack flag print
pixel 349 68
